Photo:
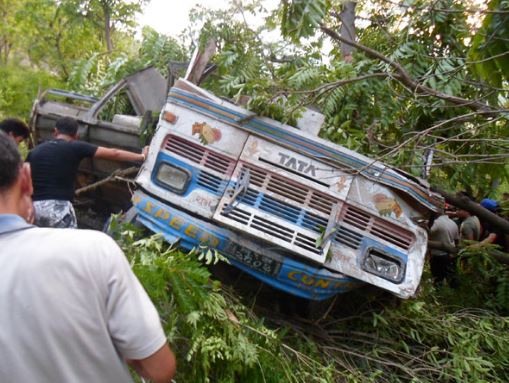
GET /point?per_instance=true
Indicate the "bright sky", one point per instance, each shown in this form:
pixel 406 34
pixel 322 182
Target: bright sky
pixel 171 17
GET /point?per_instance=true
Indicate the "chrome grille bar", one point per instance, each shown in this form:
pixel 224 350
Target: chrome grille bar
pixel 199 154
pixel 284 188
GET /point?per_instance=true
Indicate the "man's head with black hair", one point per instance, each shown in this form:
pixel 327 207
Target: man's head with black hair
pixel 15 128
pixel 68 126
pixel 10 161
pixel 15 180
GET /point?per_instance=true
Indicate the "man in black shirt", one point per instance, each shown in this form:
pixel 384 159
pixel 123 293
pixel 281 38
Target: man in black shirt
pixel 54 166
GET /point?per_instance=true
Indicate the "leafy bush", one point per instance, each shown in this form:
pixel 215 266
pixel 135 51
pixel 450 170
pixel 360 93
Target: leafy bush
pixel 382 339
pixel 19 88
pixel 215 337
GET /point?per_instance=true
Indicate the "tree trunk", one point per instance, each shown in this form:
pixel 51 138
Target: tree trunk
pixel 107 27
pixel 347 30
pixel 61 59
pixel 199 61
pixel 483 214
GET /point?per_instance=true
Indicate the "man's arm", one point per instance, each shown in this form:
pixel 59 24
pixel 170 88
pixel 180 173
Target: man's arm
pixel 158 368
pixel 133 322
pixel 120 155
pixel 491 238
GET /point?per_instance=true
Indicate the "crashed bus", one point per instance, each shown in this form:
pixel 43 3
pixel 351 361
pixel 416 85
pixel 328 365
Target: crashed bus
pixel 297 212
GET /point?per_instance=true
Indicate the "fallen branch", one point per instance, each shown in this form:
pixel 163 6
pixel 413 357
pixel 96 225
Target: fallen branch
pixel 405 78
pixel 119 173
pixel 474 208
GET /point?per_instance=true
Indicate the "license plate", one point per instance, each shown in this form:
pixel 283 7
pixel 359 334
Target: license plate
pixel 255 261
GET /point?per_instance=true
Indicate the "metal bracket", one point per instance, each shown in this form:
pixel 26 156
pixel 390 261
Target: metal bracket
pixel 332 226
pixel 240 191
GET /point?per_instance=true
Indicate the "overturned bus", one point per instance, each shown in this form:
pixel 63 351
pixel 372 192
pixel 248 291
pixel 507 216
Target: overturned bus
pixel 297 212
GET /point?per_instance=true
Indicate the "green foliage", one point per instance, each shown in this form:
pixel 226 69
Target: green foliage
pixel 50 32
pixel 373 338
pixel 384 119
pixel 490 45
pixel 94 74
pixel 42 41
pixel 111 19
pixel 246 64
pixel 158 50
pixel 301 18
pixel 215 338
pixel 19 88
pixel 425 343
pixel 483 280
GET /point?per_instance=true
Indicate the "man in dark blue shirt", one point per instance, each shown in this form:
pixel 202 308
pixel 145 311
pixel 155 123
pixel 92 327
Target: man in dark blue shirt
pixel 54 166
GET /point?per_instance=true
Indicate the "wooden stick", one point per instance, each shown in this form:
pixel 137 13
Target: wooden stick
pixel 112 177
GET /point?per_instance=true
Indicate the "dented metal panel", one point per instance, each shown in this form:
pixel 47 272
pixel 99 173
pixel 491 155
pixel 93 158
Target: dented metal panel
pixel 277 158
pixel 359 232
pixel 288 199
pixel 206 148
pixel 147 89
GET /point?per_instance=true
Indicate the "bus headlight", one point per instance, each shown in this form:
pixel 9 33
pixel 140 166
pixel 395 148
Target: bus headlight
pixel 384 266
pixel 174 178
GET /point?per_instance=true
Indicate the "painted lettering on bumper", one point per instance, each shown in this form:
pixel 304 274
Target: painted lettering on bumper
pixel 292 277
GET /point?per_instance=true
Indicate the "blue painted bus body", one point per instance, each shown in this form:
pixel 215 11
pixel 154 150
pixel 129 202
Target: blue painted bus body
pixel 285 274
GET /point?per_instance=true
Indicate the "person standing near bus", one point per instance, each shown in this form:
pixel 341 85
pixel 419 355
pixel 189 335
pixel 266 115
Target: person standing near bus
pixel 55 165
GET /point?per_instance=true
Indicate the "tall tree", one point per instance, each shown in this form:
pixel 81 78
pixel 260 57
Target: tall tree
pixel 9 28
pixel 347 30
pixel 109 16
pixel 409 89
pixel 116 14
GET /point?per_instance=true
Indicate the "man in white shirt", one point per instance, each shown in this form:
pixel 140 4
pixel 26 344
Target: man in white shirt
pixel 442 264
pixel 71 310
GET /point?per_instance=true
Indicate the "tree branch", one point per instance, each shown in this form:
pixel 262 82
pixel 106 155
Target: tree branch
pixel 339 83
pixel 407 80
pixel 117 174
pixel 466 204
